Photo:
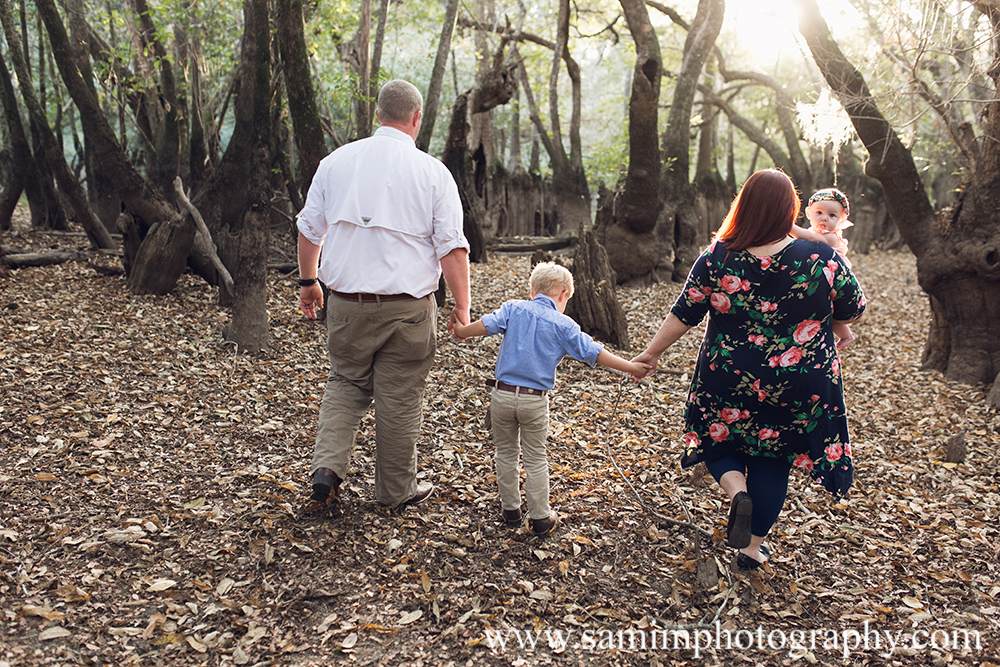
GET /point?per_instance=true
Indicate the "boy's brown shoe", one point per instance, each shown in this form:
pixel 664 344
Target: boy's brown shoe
pixel 544 527
pixel 511 517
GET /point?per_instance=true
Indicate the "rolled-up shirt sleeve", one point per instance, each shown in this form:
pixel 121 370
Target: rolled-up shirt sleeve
pixel 448 218
pixel 312 218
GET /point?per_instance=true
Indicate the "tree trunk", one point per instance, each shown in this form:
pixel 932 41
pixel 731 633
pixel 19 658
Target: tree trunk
pixel 376 61
pixel 95 229
pixel 437 77
pixel 362 103
pixel 249 326
pixel 309 139
pixel 594 305
pixel 492 90
pixel 626 218
pixel 677 222
pixel 20 150
pixel 101 192
pixel 167 167
pixel 958 254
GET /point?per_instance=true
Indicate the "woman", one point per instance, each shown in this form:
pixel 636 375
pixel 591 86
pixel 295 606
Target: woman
pixel 767 392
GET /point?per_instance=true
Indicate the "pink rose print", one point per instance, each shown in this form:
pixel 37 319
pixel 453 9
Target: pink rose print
pixel 806 330
pixel 730 283
pixel 834 452
pixel 745 414
pixel 814 256
pixel 757 340
pixel 829 270
pixel 745 285
pixel 790 357
pixel 766 306
pixel 729 415
pixel 691 439
pixel 814 398
pixel 718 431
pixel 766 433
pixel 836 365
pixel 765 262
pixel 761 394
pixel 696 295
pixel 720 302
pixel 803 461
pixel 847 449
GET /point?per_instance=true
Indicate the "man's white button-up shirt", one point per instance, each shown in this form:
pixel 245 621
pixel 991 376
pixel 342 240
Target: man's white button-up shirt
pixel 385 213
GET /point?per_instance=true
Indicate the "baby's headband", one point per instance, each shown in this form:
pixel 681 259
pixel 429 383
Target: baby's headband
pixel 831 194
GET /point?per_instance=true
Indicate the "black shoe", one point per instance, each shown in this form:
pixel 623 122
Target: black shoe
pixel 543 527
pixel 424 490
pixel 325 483
pixel 738 529
pixel 747 564
pixel 512 518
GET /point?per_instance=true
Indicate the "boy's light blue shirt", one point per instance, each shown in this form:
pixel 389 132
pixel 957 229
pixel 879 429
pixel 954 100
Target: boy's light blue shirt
pixel 536 336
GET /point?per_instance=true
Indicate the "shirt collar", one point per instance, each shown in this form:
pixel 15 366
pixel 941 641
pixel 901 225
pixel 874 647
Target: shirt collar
pixel 545 299
pixel 394 133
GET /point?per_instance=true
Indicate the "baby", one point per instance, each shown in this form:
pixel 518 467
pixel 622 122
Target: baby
pixel 827 211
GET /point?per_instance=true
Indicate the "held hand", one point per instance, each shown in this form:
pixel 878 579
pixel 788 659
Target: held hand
pixel 458 316
pixel 310 298
pixel 646 362
pixel 640 371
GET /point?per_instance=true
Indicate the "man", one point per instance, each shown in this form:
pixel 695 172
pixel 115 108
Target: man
pixel 389 220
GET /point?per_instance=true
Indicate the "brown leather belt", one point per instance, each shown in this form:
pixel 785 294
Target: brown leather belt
pixel 362 297
pixel 503 386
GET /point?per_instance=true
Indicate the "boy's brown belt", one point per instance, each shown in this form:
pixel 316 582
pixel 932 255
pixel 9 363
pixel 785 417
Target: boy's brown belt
pixel 503 386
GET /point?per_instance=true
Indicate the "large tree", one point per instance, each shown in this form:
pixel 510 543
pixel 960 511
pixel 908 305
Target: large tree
pixel 958 248
pixel 636 247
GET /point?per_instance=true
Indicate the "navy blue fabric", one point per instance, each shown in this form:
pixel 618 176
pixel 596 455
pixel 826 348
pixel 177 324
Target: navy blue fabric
pixel 767 484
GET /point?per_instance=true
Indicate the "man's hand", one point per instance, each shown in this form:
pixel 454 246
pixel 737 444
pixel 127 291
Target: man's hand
pixel 310 298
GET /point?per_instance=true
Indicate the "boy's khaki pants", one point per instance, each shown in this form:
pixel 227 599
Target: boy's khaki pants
pixel 520 425
pixel 382 351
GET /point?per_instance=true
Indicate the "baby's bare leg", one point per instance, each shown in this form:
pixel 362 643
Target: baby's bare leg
pixel 844 334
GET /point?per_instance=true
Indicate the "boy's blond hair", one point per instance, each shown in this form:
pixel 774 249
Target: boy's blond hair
pixel 549 278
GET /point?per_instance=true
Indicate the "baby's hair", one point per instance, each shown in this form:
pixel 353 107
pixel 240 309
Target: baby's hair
pixel 549 277
pixel 831 194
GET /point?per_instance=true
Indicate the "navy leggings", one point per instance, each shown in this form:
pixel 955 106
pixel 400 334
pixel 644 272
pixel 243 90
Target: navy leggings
pixel 767 484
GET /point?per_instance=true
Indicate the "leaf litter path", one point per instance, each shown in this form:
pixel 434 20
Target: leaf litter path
pixel 151 481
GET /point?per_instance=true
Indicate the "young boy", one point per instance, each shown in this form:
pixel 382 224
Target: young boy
pixel 827 213
pixel 537 335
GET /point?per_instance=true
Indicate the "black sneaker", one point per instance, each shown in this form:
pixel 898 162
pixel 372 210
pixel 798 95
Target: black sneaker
pixel 325 490
pixel 738 528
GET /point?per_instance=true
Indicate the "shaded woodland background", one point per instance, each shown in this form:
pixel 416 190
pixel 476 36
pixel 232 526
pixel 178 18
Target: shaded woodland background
pixel 178 135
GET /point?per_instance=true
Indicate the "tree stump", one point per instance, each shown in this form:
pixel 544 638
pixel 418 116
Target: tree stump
pixel 594 305
pixel 956 448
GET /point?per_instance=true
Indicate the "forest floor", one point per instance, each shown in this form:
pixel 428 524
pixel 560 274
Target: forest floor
pixel 151 481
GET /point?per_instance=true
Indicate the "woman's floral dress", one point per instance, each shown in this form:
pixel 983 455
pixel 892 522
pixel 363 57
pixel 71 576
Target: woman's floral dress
pixel 767 381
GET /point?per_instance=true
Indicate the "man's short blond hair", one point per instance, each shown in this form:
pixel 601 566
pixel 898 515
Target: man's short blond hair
pixel 398 101
pixel 549 278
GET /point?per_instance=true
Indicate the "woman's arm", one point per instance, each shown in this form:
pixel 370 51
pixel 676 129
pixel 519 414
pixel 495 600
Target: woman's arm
pixel 670 332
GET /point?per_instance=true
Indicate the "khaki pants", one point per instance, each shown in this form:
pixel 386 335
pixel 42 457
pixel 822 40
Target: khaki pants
pixel 520 426
pixel 381 351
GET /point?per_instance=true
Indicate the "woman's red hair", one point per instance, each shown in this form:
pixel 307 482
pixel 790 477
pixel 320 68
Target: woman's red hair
pixel 762 213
